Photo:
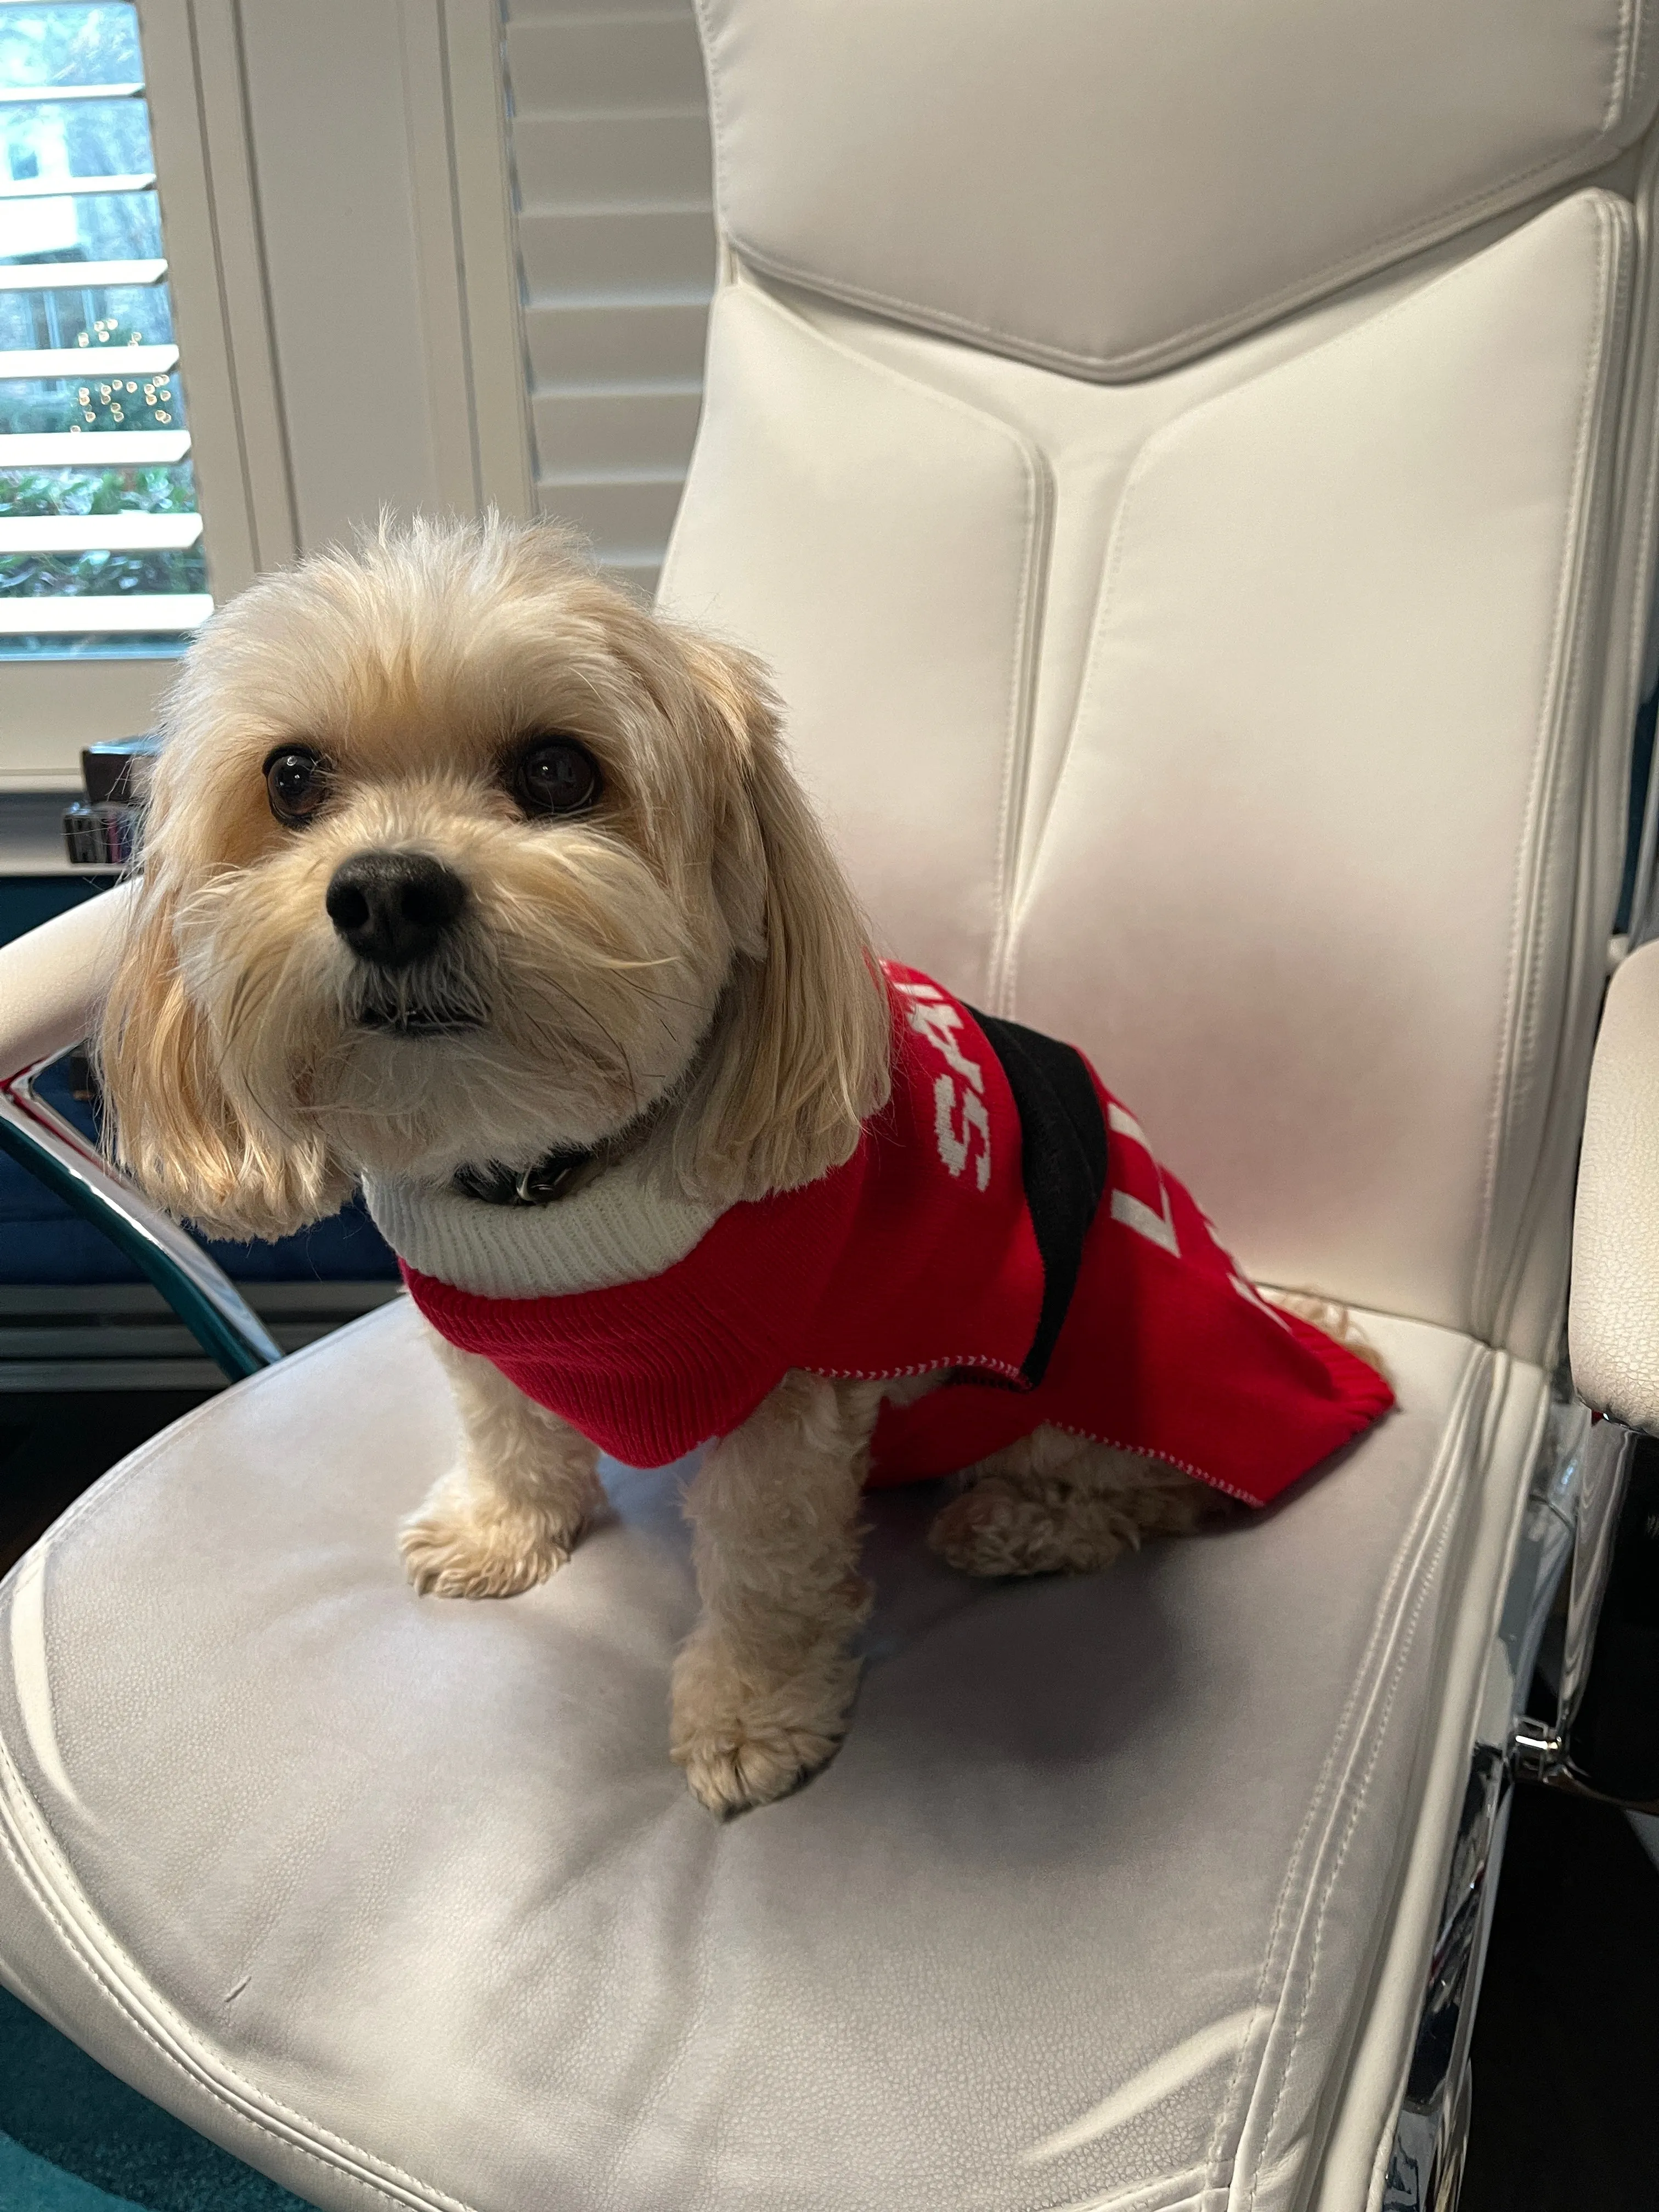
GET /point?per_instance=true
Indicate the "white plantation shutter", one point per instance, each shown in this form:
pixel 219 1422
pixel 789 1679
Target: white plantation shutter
pixel 85 402
pixel 610 148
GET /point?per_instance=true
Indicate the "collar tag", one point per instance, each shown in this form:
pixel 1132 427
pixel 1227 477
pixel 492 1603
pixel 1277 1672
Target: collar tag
pixel 540 1185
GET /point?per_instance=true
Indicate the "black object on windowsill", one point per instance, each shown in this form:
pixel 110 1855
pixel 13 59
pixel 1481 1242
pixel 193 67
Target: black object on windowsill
pixel 99 830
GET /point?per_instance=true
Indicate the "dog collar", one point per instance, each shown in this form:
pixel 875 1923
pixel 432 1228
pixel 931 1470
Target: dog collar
pixel 550 1178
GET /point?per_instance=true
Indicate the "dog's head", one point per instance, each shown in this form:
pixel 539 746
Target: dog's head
pixel 453 854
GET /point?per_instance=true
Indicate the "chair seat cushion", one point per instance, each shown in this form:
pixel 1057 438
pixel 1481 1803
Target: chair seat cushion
pixel 403 1900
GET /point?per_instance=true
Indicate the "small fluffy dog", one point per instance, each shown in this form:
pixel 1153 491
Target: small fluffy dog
pixel 465 876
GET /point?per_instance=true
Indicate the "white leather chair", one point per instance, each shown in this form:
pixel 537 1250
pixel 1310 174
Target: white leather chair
pixel 1192 470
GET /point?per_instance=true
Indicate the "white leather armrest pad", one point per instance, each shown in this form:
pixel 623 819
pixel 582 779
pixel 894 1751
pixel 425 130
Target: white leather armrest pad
pixel 1613 1321
pixel 52 981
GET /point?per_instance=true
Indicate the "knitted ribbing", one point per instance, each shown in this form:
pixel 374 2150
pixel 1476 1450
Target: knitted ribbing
pixel 620 1229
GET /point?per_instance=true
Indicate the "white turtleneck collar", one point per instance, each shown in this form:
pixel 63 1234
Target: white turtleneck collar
pixel 620 1228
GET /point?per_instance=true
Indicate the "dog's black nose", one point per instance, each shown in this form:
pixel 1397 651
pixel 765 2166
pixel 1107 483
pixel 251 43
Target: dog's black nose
pixel 391 909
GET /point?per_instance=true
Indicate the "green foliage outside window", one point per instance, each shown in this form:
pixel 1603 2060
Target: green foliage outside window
pixel 101 491
pixel 73 575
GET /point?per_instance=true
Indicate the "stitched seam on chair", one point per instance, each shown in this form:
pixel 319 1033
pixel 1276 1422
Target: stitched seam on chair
pixel 1639 60
pixel 1386 1605
pixel 1383 1625
pixel 1162 437
pixel 1553 708
pixel 1301 290
pixel 1638 546
pixel 75 1945
pixel 1171 350
pixel 1192 2181
pixel 1621 83
pixel 1386 1602
pixel 1025 893
pixel 1523 1498
pixel 1594 676
pixel 706 36
pixel 1405 1637
pixel 1582 574
pixel 1358 1804
pixel 1021 704
pixel 1034 468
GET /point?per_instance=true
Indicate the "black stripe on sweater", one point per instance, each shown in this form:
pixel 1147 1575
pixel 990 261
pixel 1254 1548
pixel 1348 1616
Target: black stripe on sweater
pixel 1062 1159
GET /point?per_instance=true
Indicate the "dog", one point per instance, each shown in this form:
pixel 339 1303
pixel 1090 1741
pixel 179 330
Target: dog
pixel 466 877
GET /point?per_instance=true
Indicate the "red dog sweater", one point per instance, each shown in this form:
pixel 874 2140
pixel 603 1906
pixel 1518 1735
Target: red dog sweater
pixel 1002 1218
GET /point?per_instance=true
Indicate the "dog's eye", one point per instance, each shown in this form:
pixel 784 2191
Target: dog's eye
pixel 555 776
pixel 297 782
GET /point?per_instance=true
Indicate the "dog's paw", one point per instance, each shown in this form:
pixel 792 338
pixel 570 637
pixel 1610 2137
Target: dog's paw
pixel 744 1743
pixel 995 1528
pixel 458 1545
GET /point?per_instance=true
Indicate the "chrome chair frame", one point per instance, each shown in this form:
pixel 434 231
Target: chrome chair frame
pixel 196 1287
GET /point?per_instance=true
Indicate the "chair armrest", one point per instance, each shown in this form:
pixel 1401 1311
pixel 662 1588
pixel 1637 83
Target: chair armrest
pixel 53 980
pixel 1613 1336
pixel 53 983
pixel 1613 1323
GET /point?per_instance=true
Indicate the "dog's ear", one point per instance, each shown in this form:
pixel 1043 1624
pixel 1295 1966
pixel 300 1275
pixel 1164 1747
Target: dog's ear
pixel 171 1122
pixel 802 1052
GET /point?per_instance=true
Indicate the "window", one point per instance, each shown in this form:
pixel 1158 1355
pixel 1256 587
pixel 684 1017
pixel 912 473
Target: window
pixel 101 535
pixel 610 142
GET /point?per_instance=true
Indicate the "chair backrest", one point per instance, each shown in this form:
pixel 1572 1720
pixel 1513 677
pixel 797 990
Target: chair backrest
pixel 1190 467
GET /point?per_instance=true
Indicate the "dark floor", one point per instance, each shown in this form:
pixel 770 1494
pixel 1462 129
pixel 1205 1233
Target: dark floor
pixel 1566 2045
pixel 1566 2041
pixel 85 2126
pixel 53 1443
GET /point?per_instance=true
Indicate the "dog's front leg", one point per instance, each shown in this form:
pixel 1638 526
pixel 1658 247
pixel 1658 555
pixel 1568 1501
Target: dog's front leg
pixel 763 1682
pixel 514 1508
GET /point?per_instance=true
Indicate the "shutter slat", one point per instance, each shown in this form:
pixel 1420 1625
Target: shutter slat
pixel 90 361
pixel 91 449
pixel 619 341
pixel 565 162
pixel 78 276
pixel 629 514
pixel 163 612
pixel 591 11
pixel 619 431
pixel 97 533
pixel 48 95
pixel 618 64
pixel 616 246
pixel 592 255
pixel 70 188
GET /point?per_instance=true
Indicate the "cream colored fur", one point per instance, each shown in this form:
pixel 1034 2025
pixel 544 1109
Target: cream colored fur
pixel 683 972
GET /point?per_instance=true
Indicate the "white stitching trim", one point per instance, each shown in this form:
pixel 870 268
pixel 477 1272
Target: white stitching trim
pixel 924 1367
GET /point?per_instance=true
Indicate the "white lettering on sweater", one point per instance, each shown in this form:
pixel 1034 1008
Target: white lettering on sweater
pixel 1155 1223
pixel 954 1150
pixel 959 1113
